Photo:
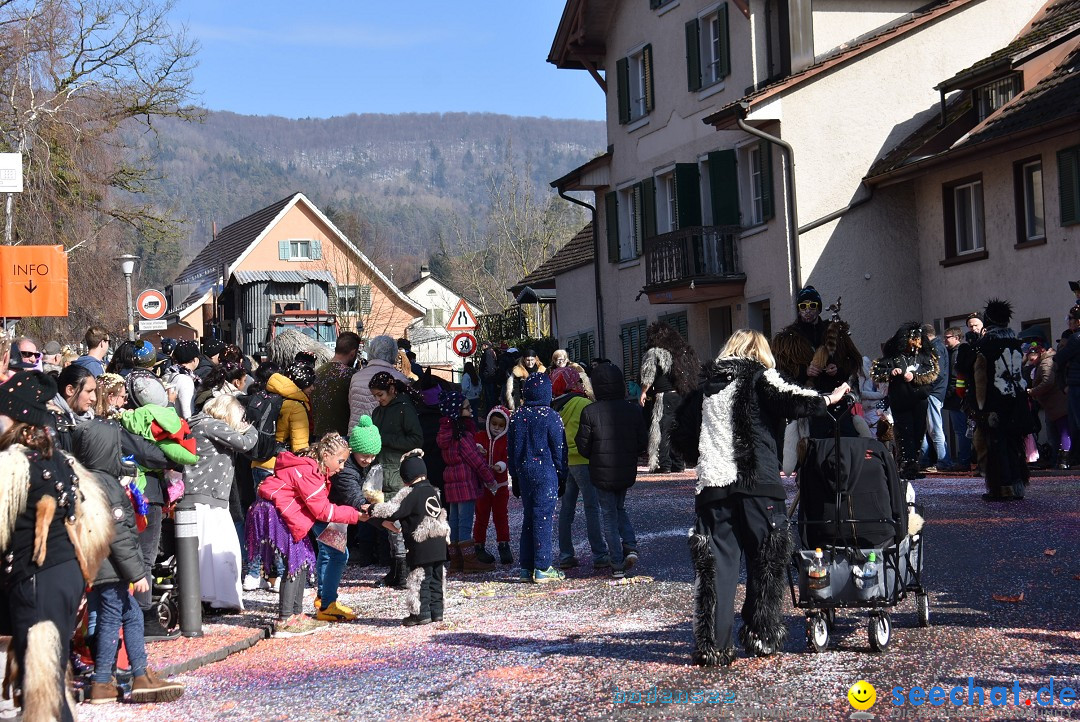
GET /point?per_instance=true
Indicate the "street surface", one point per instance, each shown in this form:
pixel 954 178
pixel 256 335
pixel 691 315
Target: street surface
pixel 514 651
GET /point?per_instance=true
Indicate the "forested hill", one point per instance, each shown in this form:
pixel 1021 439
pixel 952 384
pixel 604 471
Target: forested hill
pixel 402 180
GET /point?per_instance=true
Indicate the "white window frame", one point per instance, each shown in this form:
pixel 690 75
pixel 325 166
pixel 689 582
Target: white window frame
pixel 1034 205
pixel 630 221
pixel 298 245
pixel 969 226
pixel 636 77
pixel 710 46
pixel 356 294
pixel 666 213
pixel 755 196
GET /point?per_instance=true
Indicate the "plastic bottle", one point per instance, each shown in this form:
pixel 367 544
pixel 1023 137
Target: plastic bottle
pixel 866 575
pixel 818 573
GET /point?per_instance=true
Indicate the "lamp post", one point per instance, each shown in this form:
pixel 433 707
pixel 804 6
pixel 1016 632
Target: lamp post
pixel 127 265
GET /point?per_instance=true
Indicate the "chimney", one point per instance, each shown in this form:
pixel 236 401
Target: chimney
pixel 424 271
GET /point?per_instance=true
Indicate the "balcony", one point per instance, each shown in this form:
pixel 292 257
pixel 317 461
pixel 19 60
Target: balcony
pixel 692 265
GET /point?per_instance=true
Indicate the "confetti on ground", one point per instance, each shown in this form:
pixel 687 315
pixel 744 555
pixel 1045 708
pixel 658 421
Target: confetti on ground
pixel 1050 552
pixel 509 651
pixel 1014 599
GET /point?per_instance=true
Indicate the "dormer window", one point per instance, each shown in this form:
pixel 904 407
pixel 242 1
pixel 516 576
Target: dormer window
pixel 991 96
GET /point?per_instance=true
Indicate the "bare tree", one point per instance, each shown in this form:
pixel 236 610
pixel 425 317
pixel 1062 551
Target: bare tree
pixel 77 79
pixel 522 229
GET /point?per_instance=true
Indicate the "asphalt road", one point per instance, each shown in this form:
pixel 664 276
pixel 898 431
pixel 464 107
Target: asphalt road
pixel 590 649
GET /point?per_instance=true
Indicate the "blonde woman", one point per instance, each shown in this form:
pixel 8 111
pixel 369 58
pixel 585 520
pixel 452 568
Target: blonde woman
pixel 111 396
pixel 220 432
pixel 739 506
pixel 561 359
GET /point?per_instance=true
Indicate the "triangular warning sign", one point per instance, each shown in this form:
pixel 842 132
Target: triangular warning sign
pixel 462 319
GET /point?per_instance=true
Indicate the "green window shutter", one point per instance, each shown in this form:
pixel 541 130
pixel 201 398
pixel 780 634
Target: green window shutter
pixel 622 72
pixel 316 250
pixel 693 56
pixel 653 4
pixel 767 209
pixel 283 250
pixel 365 298
pixel 648 207
pixel 724 187
pixel 1069 185
pixel 678 322
pixel 725 42
pixel 687 195
pixel 611 218
pixel 646 61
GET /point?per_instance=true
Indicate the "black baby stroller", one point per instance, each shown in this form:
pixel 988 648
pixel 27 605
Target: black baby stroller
pixel 164 595
pixel 853 509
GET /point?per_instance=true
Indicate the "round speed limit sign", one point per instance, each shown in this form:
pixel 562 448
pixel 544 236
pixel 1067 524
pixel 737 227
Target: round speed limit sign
pixel 464 344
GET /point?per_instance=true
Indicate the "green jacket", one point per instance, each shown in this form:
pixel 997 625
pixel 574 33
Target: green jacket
pixel 399 427
pixel 570 412
pixel 140 420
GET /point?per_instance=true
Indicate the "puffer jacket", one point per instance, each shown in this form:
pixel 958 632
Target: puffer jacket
pixel 294 420
pixel 570 407
pixel 536 442
pixel 97 447
pixel 1045 390
pixel 210 479
pixel 347 486
pixel 611 432
pixel 399 427
pixel 467 473
pixel 300 493
pixel 361 401
pixel 495 445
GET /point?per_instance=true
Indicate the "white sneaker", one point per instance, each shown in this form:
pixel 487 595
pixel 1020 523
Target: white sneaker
pixel 253 582
pixel 273 587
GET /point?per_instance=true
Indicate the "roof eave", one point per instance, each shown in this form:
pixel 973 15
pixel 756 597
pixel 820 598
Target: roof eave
pixel 572 180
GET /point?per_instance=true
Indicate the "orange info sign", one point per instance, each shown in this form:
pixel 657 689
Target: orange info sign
pixel 33 281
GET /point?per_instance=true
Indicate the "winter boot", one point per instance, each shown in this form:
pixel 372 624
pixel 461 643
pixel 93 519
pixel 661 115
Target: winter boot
pixel 152 688
pixel 505 555
pixel 388 578
pixel 469 563
pixel 482 554
pixel 455 559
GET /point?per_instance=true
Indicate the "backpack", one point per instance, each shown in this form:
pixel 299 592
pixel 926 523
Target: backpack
pixel 262 411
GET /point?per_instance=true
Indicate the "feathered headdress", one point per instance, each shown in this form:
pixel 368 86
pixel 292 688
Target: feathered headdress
pixel 998 312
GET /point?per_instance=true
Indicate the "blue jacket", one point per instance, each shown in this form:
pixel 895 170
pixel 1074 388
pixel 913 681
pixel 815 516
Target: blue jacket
pixel 941 383
pixel 536 441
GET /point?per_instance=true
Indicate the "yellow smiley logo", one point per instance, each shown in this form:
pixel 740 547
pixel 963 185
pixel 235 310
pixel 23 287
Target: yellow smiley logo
pixel 862 695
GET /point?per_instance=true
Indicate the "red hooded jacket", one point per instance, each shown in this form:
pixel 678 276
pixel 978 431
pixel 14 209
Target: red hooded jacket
pixel 300 493
pixel 495 445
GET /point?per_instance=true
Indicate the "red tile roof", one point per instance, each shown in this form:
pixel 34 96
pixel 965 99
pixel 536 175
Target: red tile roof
pixel 577 252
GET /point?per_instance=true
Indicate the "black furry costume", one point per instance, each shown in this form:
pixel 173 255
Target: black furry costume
pixel 908 350
pixel 1002 417
pixel 730 428
pixel 670 370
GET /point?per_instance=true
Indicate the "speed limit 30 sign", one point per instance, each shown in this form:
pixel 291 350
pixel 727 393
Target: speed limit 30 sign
pixel 464 344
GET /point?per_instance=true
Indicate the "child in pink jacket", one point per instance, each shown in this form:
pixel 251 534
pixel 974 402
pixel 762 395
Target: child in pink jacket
pixel 464 479
pixel 290 502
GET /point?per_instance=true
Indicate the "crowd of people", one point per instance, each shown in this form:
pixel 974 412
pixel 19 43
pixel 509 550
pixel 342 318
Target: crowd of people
pixel 294 469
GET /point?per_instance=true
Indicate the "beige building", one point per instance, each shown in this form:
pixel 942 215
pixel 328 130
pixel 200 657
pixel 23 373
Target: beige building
pixel 995 177
pixel 740 133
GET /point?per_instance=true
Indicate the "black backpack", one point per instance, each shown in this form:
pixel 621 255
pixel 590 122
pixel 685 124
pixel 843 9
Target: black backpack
pixel 263 408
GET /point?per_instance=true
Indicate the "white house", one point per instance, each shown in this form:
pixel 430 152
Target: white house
pixel 428 335
pixel 740 133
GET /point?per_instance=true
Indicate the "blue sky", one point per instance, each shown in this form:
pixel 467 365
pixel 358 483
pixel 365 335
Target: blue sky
pixel 332 57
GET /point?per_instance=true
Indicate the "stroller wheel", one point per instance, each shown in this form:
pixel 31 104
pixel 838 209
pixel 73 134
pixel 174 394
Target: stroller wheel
pixel 880 630
pixel 168 613
pixel 817 632
pixel 922 607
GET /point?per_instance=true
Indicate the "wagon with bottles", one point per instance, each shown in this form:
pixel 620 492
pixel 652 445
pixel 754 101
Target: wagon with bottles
pixel 859 540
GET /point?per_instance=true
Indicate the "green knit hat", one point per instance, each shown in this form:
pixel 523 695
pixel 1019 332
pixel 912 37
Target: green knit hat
pixel 364 437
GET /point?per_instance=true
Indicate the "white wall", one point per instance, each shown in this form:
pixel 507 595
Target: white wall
pixel 839 21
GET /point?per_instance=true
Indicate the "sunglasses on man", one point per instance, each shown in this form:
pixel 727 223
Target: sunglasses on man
pixel 809 305
pixel 31 354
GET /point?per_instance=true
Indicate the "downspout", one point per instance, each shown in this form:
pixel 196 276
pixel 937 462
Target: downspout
pixel 596 272
pixel 792 207
pixel 836 214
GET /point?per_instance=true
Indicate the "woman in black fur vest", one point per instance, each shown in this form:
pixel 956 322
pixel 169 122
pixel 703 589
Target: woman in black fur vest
pixel 730 428
pixel 909 366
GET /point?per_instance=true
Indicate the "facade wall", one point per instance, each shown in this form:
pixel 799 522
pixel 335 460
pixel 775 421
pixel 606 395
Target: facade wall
pixel 576 302
pixel 1034 278
pixel 838 21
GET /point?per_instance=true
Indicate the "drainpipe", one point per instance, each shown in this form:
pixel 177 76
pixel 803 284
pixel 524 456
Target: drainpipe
pixel 596 272
pixel 836 214
pixel 792 207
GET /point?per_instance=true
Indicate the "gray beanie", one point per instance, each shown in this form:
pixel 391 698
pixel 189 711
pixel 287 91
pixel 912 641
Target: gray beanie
pixel 144 389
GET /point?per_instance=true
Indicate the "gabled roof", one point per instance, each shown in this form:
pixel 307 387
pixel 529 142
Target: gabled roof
pixel 408 287
pixel 840 56
pixel 581 38
pixel 1054 101
pixel 238 239
pixel 577 252
pixel 1056 22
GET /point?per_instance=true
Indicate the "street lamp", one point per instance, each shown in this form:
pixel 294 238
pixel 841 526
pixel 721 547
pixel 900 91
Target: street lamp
pixel 127 265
